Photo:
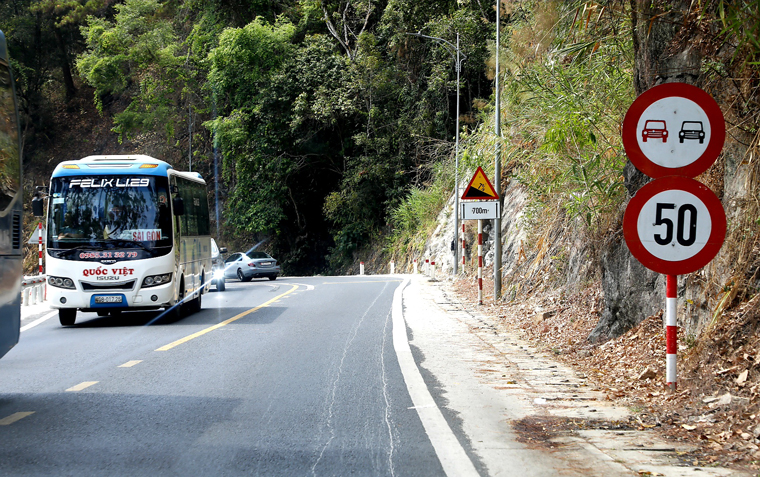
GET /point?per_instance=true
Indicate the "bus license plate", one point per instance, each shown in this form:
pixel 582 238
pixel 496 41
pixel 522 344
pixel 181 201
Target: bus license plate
pixel 108 299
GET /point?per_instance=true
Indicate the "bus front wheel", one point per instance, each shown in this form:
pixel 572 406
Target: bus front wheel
pixel 67 316
pixel 178 310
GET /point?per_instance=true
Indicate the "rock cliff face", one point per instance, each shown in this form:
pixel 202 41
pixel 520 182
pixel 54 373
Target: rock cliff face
pixel 670 46
pixel 667 50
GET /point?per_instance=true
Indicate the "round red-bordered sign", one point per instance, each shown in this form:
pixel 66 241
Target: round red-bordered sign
pixel 674 225
pixel 674 129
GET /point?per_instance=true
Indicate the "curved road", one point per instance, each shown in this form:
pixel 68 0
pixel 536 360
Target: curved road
pixel 293 377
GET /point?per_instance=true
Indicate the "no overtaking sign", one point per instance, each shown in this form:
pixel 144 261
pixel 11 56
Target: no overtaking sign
pixel 674 129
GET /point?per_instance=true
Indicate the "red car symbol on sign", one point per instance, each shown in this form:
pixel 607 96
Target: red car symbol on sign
pixel 655 128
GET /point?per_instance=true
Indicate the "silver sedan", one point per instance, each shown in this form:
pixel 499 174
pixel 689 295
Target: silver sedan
pixel 244 267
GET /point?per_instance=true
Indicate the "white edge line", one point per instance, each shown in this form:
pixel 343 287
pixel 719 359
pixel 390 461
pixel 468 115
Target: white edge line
pixel 308 287
pixel 452 456
pixel 38 321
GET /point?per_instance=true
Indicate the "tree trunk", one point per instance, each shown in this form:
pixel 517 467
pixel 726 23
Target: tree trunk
pixel 68 79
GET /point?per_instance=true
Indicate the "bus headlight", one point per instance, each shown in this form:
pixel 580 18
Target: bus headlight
pixel 155 280
pixel 61 282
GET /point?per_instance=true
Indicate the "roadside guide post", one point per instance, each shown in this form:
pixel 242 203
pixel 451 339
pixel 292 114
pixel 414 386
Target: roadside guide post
pixel 485 205
pixel 463 246
pixel 36 237
pixel 361 268
pixel 39 248
pixel 674 225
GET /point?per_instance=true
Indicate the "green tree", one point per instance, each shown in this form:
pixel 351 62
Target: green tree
pixel 66 17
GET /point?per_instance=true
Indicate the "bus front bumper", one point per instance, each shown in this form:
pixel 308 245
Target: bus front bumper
pixel 153 297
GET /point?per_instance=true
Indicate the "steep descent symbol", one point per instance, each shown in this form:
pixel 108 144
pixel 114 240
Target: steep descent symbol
pixel 480 188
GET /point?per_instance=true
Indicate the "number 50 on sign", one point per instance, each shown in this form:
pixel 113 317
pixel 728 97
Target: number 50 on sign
pixel 674 225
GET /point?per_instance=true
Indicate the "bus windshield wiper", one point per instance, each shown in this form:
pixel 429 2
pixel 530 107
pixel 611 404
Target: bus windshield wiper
pixel 87 246
pixel 127 244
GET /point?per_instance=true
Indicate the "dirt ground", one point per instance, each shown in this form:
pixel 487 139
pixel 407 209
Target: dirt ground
pixel 715 407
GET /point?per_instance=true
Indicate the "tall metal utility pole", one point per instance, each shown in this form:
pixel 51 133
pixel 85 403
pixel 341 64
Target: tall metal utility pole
pixel 497 169
pixel 458 58
pixel 456 172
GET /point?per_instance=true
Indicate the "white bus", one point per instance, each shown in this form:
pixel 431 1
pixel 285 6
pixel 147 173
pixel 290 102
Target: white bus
pixel 125 233
pixel 11 207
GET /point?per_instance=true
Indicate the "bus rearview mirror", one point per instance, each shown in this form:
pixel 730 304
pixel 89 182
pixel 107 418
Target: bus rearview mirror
pixel 178 205
pixel 38 206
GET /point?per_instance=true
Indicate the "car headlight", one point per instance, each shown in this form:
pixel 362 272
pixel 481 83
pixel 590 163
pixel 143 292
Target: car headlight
pixel 155 280
pixel 218 274
pixel 61 282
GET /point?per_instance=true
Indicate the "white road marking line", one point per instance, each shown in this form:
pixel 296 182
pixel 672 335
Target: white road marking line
pixel 7 421
pixel 360 281
pixel 81 386
pixel 38 321
pixel 452 456
pixel 129 364
pixel 308 287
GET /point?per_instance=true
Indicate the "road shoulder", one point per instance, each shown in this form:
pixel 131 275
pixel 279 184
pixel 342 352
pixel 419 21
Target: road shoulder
pixel 519 408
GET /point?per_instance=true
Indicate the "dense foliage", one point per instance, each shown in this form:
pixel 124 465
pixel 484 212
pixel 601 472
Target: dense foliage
pixel 333 123
pixel 321 112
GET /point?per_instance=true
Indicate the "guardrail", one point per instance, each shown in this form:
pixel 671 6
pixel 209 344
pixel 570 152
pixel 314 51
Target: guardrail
pixel 33 290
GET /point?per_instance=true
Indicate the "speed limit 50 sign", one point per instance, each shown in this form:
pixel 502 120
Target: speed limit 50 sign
pixel 674 225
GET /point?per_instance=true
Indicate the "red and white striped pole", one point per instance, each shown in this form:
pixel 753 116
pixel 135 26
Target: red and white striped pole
pixel 39 229
pixel 463 247
pixel 671 331
pixel 480 261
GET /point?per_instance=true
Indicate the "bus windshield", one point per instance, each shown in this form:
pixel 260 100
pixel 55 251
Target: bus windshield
pixel 109 212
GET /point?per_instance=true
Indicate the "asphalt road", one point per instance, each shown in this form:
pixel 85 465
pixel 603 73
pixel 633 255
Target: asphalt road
pixel 293 377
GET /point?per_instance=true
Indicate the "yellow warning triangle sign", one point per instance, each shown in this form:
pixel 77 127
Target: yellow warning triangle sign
pixel 480 188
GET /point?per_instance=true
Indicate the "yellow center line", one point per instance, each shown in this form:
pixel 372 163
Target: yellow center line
pixel 81 386
pixel 129 364
pixel 224 323
pixel 7 421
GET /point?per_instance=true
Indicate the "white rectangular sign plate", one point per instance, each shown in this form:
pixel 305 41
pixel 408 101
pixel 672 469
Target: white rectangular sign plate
pixel 480 210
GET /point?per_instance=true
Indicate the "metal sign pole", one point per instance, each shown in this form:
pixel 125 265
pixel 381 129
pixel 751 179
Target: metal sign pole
pixel 671 331
pixel 497 170
pixel 480 262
